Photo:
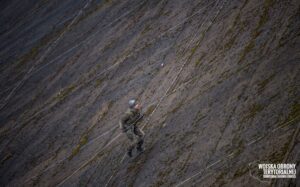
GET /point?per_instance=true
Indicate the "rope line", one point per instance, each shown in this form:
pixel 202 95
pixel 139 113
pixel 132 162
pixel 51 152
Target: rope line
pixel 153 40
pixel 62 160
pixel 165 94
pixel 119 62
pixel 83 165
pixel 115 138
pixel 170 29
pixel 87 162
pixel 161 51
pixel 27 74
pixel 102 72
pixel 89 143
pixel 88 39
pixel 231 154
pixel 30 14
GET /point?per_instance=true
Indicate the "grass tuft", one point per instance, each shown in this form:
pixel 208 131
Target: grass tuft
pixel 65 92
pixel 82 142
pixel 248 48
pixel 150 110
pixel 262 84
pixel 253 110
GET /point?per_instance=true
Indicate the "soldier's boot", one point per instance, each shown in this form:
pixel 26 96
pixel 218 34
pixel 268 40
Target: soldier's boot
pixel 139 146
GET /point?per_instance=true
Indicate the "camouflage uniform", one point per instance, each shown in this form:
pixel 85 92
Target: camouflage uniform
pixel 128 124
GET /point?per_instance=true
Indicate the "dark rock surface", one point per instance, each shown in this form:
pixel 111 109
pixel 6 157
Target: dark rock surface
pixel 226 98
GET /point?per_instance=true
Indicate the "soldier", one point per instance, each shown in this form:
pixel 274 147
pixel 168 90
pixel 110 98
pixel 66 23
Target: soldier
pixel 128 124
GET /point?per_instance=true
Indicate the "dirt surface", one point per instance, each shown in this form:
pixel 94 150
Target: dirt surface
pixel 219 81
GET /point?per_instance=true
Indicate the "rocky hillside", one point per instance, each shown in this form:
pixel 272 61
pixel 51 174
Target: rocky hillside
pixel 219 81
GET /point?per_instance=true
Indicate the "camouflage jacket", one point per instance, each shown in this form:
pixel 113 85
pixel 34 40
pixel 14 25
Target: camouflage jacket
pixel 130 119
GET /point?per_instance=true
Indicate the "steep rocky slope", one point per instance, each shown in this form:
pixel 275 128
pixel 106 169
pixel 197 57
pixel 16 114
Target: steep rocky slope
pixel 218 80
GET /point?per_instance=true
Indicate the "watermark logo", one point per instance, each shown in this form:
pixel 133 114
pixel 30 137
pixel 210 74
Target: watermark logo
pixel 278 170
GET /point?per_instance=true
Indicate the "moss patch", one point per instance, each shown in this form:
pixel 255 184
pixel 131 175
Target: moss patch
pixel 27 57
pixel 82 142
pixel 92 9
pixel 294 112
pixel 198 118
pixel 150 110
pixel 230 42
pixel 261 85
pixel 239 150
pixel 198 61
pixel 220 180
pixel 98 82
pixel 65 92
pixel 248 48
pixel 146 29
pixel 257 30
pixel 183 166
pixel 240 172
pixel 253 110
pixel 263 19
pixel 84 137
pixel 177 107
pixel 194 49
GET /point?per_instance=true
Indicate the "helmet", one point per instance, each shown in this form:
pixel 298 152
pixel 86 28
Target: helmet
pixel 132 103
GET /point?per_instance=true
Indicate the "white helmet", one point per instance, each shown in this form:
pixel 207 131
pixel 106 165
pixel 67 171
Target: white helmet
pixel 132 103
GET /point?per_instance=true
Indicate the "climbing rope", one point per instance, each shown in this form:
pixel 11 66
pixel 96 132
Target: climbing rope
pixel 161 35
pixel 48 50
pixel 169 88
pixel 31 71
pixel 27 74
pixel 87 40
pixel 94 156
pixel 288 123
pixel 109 68
pixel 87 81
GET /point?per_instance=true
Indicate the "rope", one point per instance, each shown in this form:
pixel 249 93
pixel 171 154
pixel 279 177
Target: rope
pixel 88 39
pixel 62 160
pixel 170 29
pixel 161 35
pixel 89 143
pixel 108 70
pixel 165 94
pixel 233 153
pixel 83 165
pixel 104 71
pixel 27 74
pixel 183 65
pixel 31 12
pixel 117 63
pixel 114 65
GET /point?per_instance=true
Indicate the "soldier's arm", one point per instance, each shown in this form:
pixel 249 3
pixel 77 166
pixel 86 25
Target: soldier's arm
pixel 122 122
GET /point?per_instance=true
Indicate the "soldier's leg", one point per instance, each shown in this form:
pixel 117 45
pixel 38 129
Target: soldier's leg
pixel 140 138
pixel 131 137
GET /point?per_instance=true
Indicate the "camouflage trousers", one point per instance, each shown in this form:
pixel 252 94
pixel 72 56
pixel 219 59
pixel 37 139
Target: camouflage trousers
pixel 135 137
